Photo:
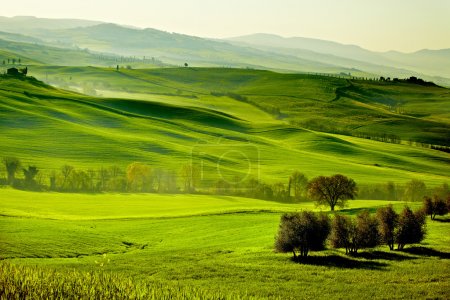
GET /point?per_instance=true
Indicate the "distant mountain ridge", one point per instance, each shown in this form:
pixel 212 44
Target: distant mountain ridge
pixel 432 62
pixel 262 51
pixel 27 24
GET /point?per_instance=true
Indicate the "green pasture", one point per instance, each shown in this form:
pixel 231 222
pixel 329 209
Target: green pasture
pixel 220 244
pixel 49 127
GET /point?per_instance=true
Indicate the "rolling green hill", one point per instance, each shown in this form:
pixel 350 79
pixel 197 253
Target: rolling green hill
pixel 355 107
pixel 177 116
pixel 116 143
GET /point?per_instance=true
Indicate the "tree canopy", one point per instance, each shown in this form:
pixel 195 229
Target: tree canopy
pixel 332 191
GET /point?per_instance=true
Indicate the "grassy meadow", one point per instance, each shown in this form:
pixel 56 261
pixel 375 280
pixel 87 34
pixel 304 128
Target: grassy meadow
pixel 162 127
pixel 193 246
pixel 221 245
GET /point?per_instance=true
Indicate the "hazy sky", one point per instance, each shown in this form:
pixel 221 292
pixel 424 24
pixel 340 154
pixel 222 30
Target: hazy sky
pixel 405 25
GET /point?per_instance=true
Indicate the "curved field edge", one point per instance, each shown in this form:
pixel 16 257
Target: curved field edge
pixel 104 206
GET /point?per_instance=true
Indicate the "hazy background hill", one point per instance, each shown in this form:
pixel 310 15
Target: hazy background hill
pixel 30 24
pixel 176 48
pixel 261 51
pixel 430 62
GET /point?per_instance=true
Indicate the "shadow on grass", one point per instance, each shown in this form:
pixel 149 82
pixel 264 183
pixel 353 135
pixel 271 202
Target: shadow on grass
pixel 392 256
pixel 340 262
pixel 354 211
pixel 424 251
pixel 442 220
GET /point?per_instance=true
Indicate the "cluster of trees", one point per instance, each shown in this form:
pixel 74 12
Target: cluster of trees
pixel 332 191
pixel 138 177
pixel 436 206
pixel 306 231
pixel 414 190
pixel 440 148
pixel 12 61
pixel 342 75
pixel 412 80
pixel 383 137
pixel 415 80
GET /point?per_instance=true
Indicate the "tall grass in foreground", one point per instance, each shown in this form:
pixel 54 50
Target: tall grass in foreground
pixel 20 282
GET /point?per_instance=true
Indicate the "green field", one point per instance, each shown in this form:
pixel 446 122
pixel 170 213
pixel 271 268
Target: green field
pixel 172 114
pixel 202 245
pixel 217 244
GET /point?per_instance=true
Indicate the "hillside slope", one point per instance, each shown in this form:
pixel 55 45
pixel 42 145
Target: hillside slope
pixel 355 107
pixel 50 127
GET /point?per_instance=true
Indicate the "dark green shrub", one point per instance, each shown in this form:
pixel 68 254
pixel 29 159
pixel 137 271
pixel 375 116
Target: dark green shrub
pixel 302 232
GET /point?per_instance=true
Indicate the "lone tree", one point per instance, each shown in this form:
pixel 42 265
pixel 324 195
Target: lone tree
pixel 411 228
pixel 435 207
pixel 12 164
pixel 302 232
pixel 332 191
pixel 298 184
pixel 388 222
pixel 355 234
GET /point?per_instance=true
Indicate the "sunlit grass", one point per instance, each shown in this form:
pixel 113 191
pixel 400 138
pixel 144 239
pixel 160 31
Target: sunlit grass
pixel 221 252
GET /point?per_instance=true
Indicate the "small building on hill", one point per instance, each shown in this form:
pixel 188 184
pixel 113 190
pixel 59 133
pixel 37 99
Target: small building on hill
pixel 13 72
